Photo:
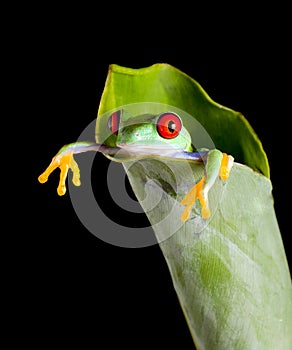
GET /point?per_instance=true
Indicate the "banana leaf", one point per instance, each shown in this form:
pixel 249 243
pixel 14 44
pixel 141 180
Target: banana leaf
pixel 230 271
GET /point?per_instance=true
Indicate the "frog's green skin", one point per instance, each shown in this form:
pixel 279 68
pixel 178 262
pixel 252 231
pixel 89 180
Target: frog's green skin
pixel 138 137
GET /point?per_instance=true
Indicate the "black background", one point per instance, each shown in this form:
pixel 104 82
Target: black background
pixel 73 288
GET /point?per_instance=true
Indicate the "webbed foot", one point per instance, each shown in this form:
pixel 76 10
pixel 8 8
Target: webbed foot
pixel 220 164
pixel 226 165
pixel 65 161
pixel 196 192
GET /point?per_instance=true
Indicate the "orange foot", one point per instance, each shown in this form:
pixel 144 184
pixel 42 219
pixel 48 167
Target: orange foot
pixel 64 161
pixel 196 192
pixel 226 165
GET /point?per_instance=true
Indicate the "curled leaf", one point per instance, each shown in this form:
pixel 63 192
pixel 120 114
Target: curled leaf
pixel 230 271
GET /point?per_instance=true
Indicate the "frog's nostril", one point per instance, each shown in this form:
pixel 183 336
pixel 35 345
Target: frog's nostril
pixel 136 134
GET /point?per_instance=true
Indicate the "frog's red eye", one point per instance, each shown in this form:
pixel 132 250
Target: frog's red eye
pixel 169 125
pixel 114 122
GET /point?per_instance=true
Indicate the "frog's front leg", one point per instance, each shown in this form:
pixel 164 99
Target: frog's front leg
pixel 64 160
pixel 217 164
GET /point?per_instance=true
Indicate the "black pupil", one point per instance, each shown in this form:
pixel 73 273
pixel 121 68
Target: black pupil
pixel 171 126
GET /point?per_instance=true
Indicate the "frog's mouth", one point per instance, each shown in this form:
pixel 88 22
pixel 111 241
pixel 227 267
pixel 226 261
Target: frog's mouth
pixel 148 150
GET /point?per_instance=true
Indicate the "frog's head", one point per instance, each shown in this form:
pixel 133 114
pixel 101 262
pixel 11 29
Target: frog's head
pixel 150 134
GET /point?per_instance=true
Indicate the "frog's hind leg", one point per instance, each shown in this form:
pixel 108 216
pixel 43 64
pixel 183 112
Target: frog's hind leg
pixel 196 192
pixel 201 189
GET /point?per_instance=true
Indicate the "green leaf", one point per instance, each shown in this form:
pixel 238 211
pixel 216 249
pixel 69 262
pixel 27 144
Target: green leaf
pixel 163 83
pixel 230 272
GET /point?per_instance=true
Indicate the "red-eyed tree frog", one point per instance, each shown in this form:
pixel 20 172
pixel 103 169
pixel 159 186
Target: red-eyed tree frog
pixel 147 136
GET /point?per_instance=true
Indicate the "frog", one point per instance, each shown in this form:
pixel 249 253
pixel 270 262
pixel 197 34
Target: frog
pixel 148 135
